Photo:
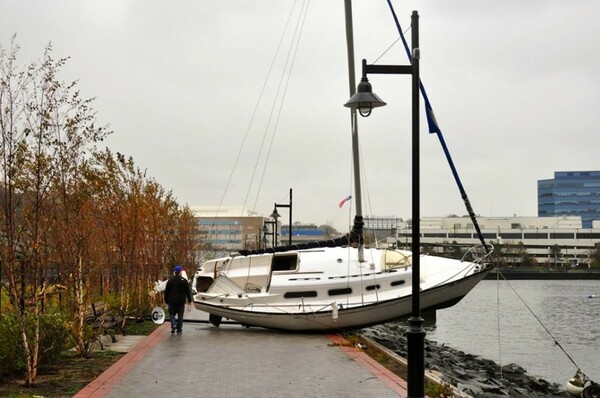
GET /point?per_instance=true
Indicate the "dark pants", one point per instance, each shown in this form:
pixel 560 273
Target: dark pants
pixel 176 310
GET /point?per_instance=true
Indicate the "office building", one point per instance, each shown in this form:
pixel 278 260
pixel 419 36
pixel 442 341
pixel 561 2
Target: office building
pixel 571 193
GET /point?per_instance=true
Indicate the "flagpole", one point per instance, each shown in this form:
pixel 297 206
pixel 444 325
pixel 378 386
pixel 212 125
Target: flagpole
pixel 353 119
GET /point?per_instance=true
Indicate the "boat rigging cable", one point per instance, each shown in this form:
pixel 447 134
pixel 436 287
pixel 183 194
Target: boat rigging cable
pixel 290 59
pixel 254 112
pixel 434 128
pixel 542 324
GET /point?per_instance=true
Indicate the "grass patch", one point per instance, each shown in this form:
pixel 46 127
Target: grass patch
pixel 70 375
pixel 141 328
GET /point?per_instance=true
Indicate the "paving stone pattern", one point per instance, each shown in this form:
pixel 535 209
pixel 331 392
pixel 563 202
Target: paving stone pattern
pixel 232 361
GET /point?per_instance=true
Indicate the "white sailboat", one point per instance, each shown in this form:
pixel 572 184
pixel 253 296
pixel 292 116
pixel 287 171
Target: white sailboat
pixel 327 288
pixel 337 284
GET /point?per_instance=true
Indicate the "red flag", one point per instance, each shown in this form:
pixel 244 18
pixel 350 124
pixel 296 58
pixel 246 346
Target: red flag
pixel 345 200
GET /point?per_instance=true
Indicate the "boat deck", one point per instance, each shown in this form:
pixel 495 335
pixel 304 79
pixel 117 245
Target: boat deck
pixel 232 361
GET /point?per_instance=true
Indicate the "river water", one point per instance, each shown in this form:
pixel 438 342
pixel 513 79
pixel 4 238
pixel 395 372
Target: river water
pixel 492 322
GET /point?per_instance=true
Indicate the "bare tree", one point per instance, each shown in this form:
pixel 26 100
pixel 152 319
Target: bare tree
pixel 74 136
pixel 142 230
pixel 44 125
pixel 25 118
pixel 90 218
pixel 14 86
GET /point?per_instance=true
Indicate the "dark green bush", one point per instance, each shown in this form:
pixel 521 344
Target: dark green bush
pixel 11 356
pixel 55 338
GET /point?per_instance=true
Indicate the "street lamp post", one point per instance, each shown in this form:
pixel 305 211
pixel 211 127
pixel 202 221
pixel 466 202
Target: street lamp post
pixel 365 100
pixel 276 215
pixel 266 232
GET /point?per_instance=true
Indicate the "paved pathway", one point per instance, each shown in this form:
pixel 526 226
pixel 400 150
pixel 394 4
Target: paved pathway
pixel 232 361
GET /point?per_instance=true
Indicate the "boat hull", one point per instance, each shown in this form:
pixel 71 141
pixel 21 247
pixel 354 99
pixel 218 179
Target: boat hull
pixel 348 318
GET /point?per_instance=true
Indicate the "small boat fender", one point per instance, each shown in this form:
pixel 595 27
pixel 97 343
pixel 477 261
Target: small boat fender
pixel 581 386
pixel 575 386
pixel 334 311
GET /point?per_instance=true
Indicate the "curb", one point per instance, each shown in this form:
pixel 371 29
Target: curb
pixel 104 383
pixel 389 378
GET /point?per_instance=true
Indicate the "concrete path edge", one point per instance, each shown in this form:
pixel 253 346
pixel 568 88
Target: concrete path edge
pixel 102 385
pixel 390 379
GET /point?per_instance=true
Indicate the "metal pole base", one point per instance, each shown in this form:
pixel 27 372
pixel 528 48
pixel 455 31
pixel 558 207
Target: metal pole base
pixel 415 340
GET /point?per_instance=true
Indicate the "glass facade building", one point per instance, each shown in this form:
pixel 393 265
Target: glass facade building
pixel 571 193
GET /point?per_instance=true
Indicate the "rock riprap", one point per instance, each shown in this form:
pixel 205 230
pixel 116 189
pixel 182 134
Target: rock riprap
pixel 473 375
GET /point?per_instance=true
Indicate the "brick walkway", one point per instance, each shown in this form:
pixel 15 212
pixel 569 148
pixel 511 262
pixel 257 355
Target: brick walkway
pixel 232 361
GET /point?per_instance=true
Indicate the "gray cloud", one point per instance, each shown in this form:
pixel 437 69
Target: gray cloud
pixel 514 85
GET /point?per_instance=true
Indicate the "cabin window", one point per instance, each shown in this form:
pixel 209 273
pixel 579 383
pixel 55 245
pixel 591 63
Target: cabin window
pixel 304 279
pixel 460 235
pixel 373 287
pixel 284 263
pixel 309 293
pixel 435 235
pixel 559 235
pixel 588 235
pixel 508 235
pixel 398 283
pixel 203 283
pixel 337 292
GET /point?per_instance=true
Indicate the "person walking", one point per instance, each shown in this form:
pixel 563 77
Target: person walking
pixel 176 293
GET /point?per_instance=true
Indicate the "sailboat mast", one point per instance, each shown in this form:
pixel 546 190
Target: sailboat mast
pixel 354 124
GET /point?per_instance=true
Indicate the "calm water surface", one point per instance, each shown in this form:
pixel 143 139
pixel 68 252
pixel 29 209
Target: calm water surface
pixel 493 322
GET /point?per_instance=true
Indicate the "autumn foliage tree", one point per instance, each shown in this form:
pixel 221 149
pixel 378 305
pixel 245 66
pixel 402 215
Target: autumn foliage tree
pixel 74 215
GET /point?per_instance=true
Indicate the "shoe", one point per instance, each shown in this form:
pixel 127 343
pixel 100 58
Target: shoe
pixel 179 332
pixel 172 330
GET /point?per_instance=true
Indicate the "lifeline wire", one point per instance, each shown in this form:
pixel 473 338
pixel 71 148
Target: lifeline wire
pixel 498 316
pixel 540 322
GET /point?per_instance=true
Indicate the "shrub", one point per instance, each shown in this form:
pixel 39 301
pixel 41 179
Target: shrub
pixel 10 346
pixel 54 339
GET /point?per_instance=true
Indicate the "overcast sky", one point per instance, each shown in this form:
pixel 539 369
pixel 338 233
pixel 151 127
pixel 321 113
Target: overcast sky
pixel 515 86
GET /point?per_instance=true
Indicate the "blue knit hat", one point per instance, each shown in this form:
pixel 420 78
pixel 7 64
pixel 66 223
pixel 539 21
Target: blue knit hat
pixel 177 269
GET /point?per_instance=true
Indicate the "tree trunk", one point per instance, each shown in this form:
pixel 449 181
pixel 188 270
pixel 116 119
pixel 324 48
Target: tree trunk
pixel 81 346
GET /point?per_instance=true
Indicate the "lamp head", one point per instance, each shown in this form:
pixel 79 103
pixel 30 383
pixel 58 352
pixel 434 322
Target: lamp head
pixel 364 99
pixel 275 214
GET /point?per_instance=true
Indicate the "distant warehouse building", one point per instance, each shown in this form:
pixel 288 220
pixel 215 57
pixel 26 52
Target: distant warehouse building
pixel 551 241
pixel 302 233
pixel 571 193
pixel 229 228
pixel 233 228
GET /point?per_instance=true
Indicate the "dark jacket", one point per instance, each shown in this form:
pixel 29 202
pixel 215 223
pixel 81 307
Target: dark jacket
pixel 177 291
